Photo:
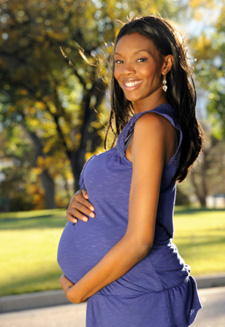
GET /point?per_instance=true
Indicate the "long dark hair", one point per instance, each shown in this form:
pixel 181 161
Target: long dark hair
pixel 181 92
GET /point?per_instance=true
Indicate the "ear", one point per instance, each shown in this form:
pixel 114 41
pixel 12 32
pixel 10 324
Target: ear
pixel 167 64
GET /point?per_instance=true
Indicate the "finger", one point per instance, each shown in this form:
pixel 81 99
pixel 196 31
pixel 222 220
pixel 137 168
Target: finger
pixel 71 218
pixel 80 214
pixel 83 209
pixel 79 198
pixel 84 193
pixel 76 214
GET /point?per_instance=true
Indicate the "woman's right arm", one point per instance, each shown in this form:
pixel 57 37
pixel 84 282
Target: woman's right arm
pixel 80 207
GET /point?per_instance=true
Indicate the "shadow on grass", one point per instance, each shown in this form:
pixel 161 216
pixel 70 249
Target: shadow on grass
pixel 32 214
pixel 33 223
pixel 57 219
pixel 199 241
pixel 191 211
pixel 41 281
pixel 35 217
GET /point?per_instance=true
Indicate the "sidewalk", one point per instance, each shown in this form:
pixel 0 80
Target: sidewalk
pixel 53 298
pixel 74 315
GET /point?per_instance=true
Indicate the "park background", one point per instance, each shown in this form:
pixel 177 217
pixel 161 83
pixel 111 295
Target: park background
pixel 54 106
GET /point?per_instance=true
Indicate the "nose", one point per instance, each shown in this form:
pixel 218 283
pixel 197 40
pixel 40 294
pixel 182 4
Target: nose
pixel 128 69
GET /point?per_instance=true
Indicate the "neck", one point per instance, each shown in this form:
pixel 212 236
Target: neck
pixel 149 104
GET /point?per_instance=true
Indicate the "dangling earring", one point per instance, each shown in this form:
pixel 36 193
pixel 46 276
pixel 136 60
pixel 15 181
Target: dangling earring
pixel 164 82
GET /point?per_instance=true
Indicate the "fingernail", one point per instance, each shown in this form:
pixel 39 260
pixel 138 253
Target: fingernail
pixel 74 221
pixel 92 215
pixel 85 219
pixel 92 208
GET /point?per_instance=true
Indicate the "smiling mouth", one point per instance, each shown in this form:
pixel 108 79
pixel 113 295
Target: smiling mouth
pixel 131 84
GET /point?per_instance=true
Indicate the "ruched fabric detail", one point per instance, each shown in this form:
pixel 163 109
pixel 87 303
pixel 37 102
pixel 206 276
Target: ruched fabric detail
pixel 174 307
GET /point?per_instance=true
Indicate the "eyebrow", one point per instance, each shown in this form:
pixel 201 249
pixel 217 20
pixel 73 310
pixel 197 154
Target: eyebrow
pixel 141 50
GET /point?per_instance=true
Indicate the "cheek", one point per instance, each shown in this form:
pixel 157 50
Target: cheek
pixel 152 74
pixel 149 71
pixel 117 76
pixel 116 73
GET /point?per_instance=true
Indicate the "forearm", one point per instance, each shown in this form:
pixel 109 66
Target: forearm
pixel 65 283
pixel 110 268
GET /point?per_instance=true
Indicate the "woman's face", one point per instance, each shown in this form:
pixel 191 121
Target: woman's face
pixel 138 70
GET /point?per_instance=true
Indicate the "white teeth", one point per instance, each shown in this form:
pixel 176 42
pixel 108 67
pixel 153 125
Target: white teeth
pixel 132 83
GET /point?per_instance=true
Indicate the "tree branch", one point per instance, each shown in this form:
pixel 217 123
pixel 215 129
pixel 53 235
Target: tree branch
pixel 68 61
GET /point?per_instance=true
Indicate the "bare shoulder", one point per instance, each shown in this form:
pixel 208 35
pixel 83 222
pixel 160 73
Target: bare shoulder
pixel 151 123
pixel 153 134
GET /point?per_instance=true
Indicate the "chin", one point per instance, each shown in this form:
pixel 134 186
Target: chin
pixel 132 98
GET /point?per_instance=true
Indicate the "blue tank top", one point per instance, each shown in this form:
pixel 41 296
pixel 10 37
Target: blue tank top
pixel 158 291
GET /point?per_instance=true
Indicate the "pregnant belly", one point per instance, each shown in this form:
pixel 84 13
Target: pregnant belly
pixel 82 246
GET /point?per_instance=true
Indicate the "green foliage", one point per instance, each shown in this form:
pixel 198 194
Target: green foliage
pixel 216 109
pixel 57 100
pixel 53 106
pixel 209 50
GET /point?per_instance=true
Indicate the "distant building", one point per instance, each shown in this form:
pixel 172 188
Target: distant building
pixel 216 201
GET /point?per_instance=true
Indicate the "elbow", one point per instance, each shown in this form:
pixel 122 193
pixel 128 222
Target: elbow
pixel 73 297
pixel 143 249
pixel 140 249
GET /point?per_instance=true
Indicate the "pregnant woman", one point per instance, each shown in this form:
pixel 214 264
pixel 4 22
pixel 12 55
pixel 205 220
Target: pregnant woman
pixel 123 262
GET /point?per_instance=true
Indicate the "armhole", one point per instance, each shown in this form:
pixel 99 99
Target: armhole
pixel 178 138
pixel 178 135
pixel 127 140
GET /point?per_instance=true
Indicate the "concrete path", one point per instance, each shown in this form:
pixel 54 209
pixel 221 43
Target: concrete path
pixel 37 300
pixel 213 312
pixel 70 315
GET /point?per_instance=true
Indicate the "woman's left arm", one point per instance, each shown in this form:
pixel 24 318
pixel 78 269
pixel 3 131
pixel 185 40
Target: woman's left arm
pixel 149 147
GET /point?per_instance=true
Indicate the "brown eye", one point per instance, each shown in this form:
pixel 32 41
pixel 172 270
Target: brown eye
pixel 118 61
pixel 141 59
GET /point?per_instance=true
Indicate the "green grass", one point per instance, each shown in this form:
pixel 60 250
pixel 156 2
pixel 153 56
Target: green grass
pixel 200 238
pixel 28 250
pixel 29 240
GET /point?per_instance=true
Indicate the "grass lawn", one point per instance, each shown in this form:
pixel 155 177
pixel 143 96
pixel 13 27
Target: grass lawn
pixel 28 251
pixel 29 240
pixel 200 238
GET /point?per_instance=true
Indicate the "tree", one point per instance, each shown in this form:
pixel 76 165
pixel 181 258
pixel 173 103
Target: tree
pixel 209 51
pixel 60 107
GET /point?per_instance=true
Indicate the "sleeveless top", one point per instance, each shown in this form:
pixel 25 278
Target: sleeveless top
pixel 158 291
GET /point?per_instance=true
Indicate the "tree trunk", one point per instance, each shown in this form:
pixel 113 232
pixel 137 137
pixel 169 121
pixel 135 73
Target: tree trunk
pixel 200 186
pixel 90 115
pixel 200 195
pixel 49 186
pixel 47 180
